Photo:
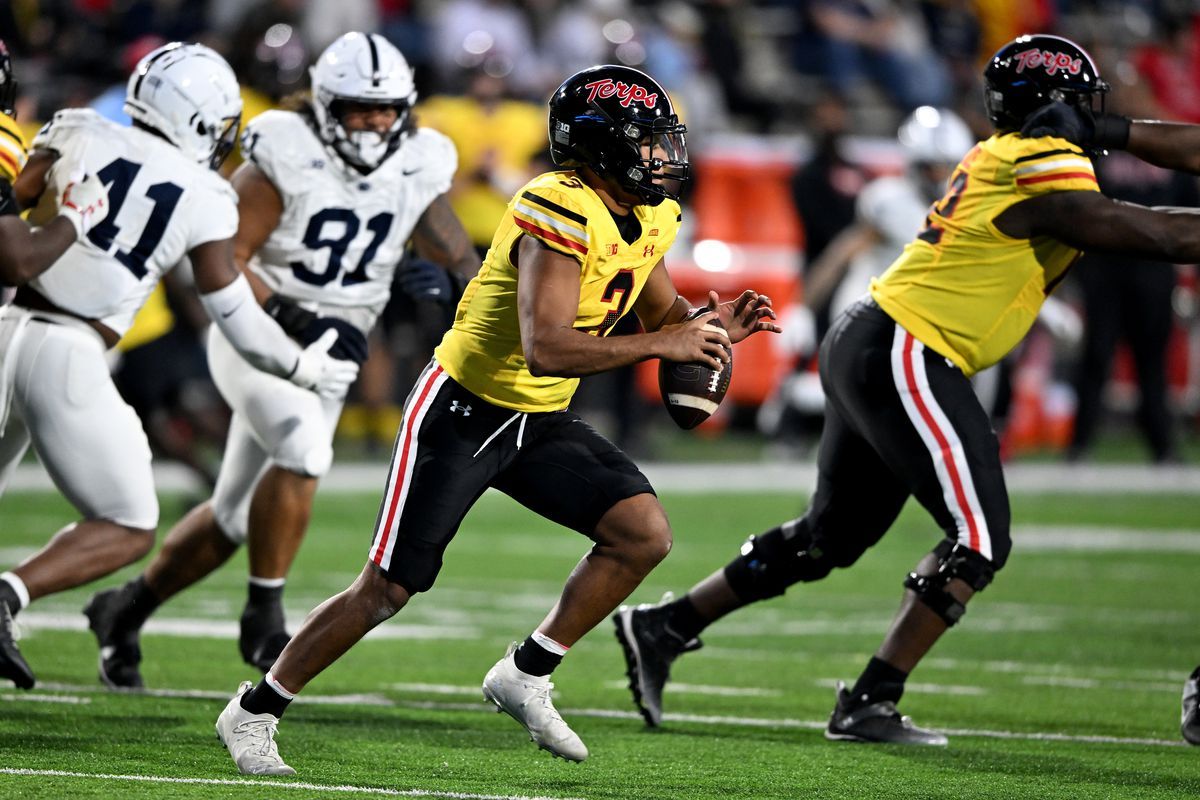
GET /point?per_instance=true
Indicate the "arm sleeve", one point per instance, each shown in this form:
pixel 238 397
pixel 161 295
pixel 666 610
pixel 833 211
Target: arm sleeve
pixel 248 328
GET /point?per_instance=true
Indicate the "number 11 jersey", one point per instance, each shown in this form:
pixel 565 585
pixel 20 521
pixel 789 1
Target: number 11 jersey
pixel 161 206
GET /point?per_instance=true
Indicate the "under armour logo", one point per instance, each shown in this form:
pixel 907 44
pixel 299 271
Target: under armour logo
pixel 648 251
pixel 454 406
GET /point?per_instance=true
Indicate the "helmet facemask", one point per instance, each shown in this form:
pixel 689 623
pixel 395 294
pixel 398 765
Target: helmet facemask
pixel 366 148
pixel 654 165
pixel 226 140
pixel 8 83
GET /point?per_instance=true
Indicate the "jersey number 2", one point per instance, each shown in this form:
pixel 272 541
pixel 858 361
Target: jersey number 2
pixel 118 177
pixel 944 208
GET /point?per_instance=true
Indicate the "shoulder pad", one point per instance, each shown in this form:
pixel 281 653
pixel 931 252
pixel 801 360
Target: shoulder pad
pixel 63 123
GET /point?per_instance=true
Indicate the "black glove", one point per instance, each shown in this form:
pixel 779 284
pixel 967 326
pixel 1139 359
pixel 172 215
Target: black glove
pixel 306 327
pixel 424 280
pixel 351 344
pixel 292 318
pixel 1076 125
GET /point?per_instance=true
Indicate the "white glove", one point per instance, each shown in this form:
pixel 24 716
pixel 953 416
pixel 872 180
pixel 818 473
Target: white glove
pixel 84 202
pixel 799 335
pixel 317 370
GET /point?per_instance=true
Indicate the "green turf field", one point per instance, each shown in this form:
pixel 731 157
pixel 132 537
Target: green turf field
pixel 1062 682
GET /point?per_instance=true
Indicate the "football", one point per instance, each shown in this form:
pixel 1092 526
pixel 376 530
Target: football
pixel 691 391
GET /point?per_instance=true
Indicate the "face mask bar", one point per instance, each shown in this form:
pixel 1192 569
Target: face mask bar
pixel 227 140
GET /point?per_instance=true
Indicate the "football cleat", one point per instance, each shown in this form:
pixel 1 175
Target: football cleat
pixel 526 698
pixel 262 636
pixel 12 664
pixel 875 722
pixel 120 652
pixel 650 647
pixel 250 738
pixel 1189 723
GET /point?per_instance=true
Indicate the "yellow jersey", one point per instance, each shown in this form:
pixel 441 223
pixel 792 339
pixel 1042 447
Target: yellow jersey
pixel 482 350
pixel 963 288
pixel 13 148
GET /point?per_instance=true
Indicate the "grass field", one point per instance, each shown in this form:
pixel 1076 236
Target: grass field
pixel 1062 682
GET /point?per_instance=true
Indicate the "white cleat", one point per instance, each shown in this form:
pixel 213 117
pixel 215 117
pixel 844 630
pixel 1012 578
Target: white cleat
pixel 250 738
pixel 526 698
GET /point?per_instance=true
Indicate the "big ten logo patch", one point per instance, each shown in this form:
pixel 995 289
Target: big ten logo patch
pixel 612 249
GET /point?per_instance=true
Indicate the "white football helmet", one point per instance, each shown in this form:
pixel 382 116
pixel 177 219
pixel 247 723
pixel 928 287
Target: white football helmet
pixel 189 94
pixel 361 68
pixel 935 136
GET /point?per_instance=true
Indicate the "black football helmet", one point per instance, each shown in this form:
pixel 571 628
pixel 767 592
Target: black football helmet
pixel 621 123
pixel 1033 70
pixel 8 83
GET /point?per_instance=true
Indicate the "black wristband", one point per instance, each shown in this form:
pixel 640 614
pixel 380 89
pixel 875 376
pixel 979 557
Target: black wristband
pixel 291 317
pixel 1112 132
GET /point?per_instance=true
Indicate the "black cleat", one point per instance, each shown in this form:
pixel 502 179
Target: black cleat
pixel 262 636
pixel 1189 723
pixel 875 722
pixel 12 664
pixel 650 647
pixel 120 651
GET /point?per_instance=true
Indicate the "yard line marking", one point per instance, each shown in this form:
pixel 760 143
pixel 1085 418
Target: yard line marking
pixel 1103 539
pixel 45 698
pixel 436 688
pixel 706 689
pixel 700 478
pixel 919 688
pixel 1094 683
pixel 812 725
pixel 32 621
pixel 321 787
pixel 209 694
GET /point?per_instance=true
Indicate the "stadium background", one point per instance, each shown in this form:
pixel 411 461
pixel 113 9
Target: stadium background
pixel 1063 683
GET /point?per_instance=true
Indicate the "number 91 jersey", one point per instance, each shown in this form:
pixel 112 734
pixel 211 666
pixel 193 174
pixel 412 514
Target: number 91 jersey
pixel 342 233
pixel 161 206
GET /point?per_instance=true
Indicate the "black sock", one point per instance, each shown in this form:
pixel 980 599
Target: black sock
pixel 879 681
pixel 533 659
pixel 265 595
pixel 8 596
pixel 684 620
pixel 263 699
pixel 139 603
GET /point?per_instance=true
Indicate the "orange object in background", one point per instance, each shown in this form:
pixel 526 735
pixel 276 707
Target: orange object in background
pixel 746 199
pixel 728 270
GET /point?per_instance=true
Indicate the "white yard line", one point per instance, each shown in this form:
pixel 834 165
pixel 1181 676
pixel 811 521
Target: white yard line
pixel 915 688
pixel 272 784
pixel 1094 539
pixel 45 698
pixel 706 689
pixel 798 477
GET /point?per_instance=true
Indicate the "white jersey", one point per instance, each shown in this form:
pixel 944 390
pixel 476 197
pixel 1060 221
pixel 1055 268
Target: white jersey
pixel 894 207
pixel 162 206
pixel 342 233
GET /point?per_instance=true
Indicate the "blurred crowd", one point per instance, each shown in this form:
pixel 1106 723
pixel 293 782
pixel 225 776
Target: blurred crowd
pixel 814 88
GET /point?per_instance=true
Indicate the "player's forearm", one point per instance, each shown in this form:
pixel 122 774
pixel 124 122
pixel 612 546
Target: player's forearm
pixel 248 328
pixel 1171 145
pixel 27 252
pixel 568 353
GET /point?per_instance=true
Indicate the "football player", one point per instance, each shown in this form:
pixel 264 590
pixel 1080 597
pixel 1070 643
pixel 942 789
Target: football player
pixel 901 418
pixel 167 203
pixel 577 248
pixel 329 196
pixel 27 252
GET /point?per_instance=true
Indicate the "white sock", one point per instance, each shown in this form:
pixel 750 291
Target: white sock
pixel 267 583
pixel 278 687
pixel 18 586
pixel 548 644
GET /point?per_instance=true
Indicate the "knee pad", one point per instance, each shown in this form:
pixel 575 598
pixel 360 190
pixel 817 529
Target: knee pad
pixel 953 561
pixel 770 563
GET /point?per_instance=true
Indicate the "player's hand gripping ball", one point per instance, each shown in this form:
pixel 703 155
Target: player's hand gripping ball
pixel 692 391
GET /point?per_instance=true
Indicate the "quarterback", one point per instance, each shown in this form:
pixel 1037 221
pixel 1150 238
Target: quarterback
pixel 575 250
pixel 901 419
pixel 329 196
pixel 167 203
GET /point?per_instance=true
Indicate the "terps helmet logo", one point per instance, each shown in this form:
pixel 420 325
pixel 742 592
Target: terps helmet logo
pixel 1052 62
pixel 626 92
